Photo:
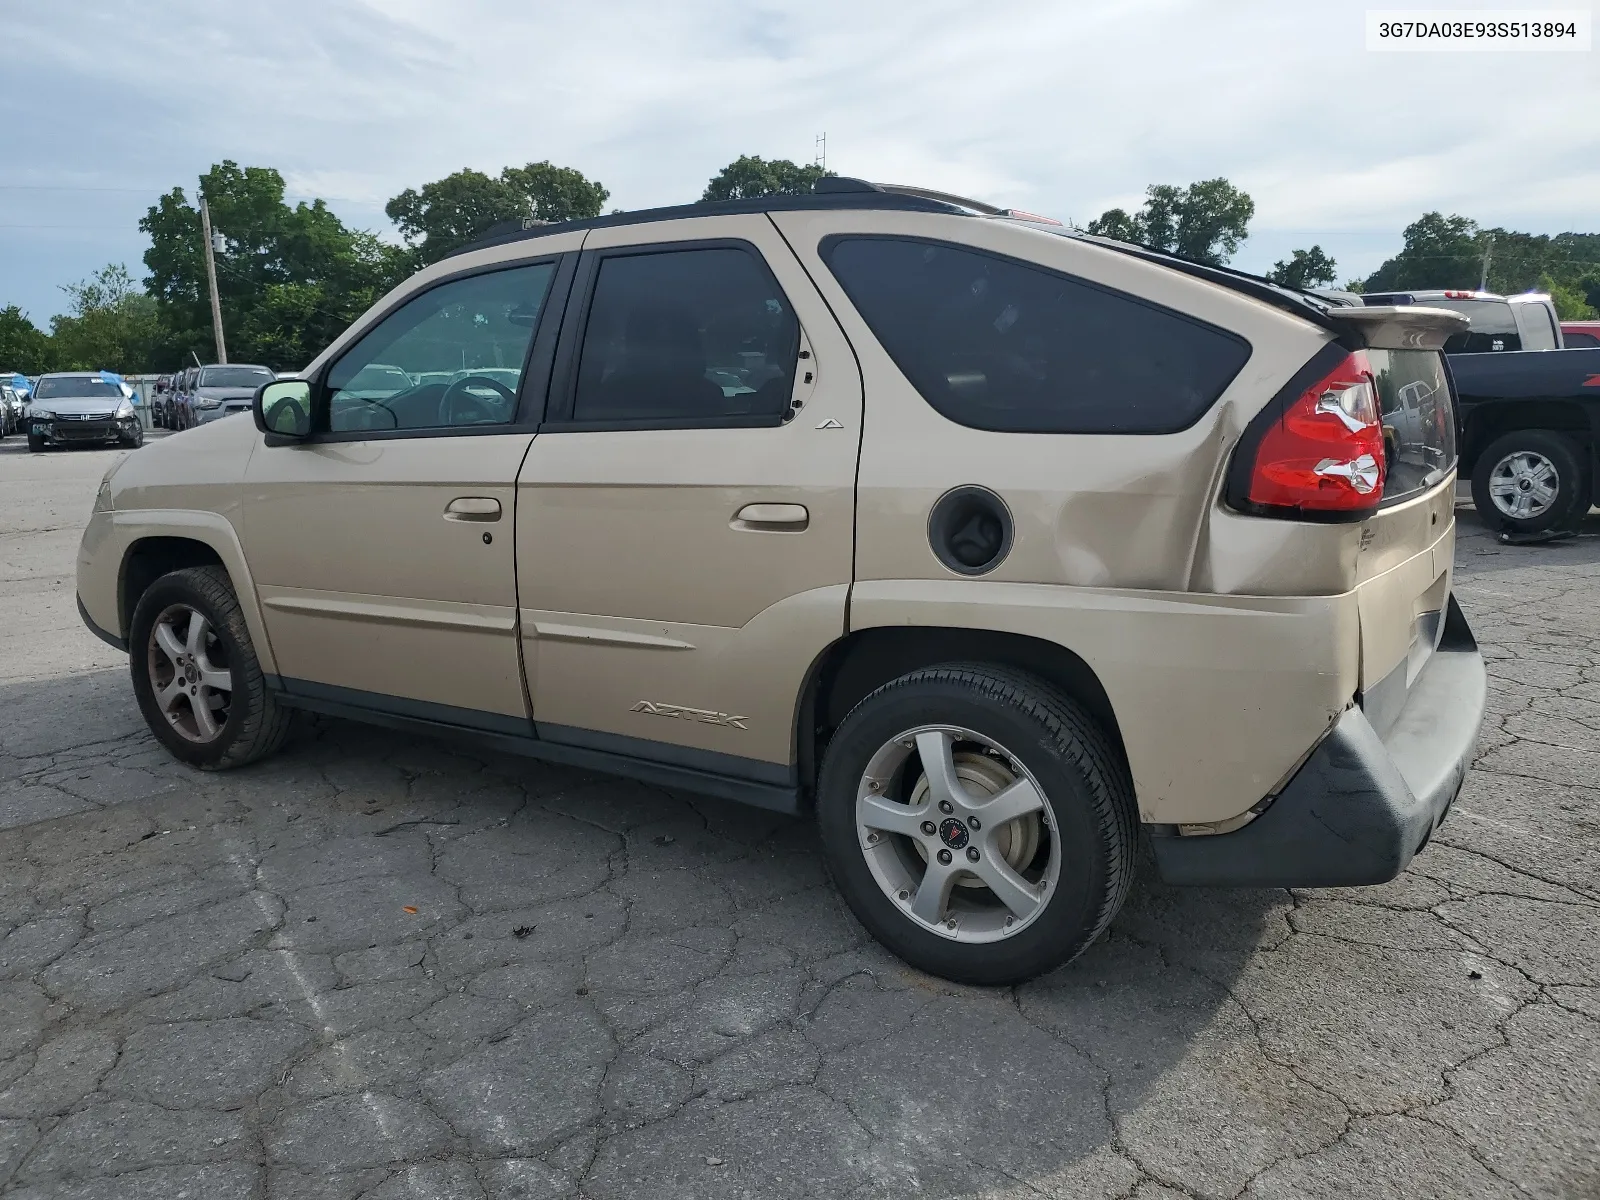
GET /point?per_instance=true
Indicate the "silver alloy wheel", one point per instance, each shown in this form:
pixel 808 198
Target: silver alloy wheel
pixel 1524 485
pixel 193 690
pixel 968 850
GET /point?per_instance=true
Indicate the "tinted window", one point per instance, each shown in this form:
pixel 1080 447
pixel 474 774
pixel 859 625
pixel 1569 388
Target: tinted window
pixel 996 344
pixel 1493 326
pixel 1419 425
pixel 686 337
pixel 1575 340
pixel 219 377
pixel 69 386
pixel 452 356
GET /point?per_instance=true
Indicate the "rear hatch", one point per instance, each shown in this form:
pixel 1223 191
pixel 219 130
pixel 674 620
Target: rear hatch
pixel 1407 548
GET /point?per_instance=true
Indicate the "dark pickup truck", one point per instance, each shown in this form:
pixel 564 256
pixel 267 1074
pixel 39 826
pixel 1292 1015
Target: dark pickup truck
pixel 1530 436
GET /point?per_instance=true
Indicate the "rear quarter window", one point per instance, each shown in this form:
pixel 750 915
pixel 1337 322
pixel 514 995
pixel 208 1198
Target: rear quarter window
pixel 997 344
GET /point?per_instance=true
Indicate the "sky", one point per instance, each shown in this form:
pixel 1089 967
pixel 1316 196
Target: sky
pixel 1065 107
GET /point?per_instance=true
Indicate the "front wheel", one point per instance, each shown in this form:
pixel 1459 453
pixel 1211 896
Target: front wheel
pixel 978 821
pixel 35 444
pixel 196 675
pixel 1530 481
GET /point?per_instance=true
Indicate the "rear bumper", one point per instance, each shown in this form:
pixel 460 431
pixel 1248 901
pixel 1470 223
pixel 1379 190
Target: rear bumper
pixel 1361 806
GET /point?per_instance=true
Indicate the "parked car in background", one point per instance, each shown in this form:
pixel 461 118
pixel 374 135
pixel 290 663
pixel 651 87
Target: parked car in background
pixel 996 547
pixel 1580 335
pixel 77 407
pixel 1499 323
pixel 10 410
pixel 1530 437
pixel 160 397
pixel 216 387
pixel 180 414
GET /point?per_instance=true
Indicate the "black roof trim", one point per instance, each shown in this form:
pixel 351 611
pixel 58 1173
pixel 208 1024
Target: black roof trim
pixel 873 199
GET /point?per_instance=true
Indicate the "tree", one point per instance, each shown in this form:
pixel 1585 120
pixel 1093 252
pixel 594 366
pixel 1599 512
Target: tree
pixel 336 272
pixel 23 345
pixel 1205 222
pixel 1572 304
pixel 111 326
pixel 448 213
pixel 1305 269
pixel 750 175
pixel 1438 252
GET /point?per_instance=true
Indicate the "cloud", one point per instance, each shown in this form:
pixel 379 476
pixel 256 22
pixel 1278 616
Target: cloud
pixel 1056 107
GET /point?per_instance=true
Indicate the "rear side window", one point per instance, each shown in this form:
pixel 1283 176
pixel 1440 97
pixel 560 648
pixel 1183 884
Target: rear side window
pixel 1580 339
pixel 997 344
pixel 683 338
pixel 1494 326
pixel 1536 324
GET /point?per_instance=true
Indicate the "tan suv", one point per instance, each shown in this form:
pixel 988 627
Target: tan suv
pixel 990 543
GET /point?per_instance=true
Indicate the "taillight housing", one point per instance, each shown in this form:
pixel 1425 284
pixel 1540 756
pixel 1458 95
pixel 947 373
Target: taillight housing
pixel 1324 456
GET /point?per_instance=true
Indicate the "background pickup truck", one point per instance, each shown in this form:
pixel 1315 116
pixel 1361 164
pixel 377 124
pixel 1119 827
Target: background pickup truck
pixel 1529 433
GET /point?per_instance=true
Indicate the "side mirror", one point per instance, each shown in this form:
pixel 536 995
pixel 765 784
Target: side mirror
pixel 283 408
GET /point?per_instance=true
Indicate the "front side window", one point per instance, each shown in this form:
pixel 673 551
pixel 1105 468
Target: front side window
pixel 687 337
pixel 997 344
pixel 451 357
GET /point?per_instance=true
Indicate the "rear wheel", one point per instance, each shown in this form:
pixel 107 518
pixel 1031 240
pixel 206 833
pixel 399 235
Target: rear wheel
pixel 1530 481
pixel 196 676
pixel 978 822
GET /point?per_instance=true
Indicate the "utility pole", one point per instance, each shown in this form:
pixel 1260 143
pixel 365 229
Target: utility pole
pixel 211 278
pixel 1488 250
pixel 821 157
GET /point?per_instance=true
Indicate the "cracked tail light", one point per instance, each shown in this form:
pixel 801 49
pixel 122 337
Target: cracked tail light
pixel 1326 453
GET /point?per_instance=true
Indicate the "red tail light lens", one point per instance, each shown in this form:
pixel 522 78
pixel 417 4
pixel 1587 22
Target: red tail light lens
pixel 1325 454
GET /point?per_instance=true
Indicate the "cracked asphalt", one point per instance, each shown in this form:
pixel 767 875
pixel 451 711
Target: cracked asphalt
pixel 386 968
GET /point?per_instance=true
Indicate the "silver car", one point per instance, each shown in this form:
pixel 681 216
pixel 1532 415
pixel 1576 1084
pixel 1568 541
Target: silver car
pixel 223 390
pixel 72 408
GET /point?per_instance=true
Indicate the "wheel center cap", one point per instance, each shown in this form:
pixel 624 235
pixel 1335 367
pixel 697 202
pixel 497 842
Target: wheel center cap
pixel 953 833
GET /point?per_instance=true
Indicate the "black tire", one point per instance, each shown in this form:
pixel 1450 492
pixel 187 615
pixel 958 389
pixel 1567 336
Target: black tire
pixel 35 444
pixel 1572 481
pixel 1086 788
pixel 132 443
pixel 255 725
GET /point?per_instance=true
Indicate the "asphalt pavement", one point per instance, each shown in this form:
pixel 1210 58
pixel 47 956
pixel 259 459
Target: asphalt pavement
pixel 382 967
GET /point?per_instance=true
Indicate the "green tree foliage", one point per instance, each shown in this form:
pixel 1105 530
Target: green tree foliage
pixel 1448 252
pixel 448 213
pixel 1438 252
pixel 1205 222
pixel 112 326
pixel 334 273
pixel 750 175
pixel 23 345
pixel 1304 269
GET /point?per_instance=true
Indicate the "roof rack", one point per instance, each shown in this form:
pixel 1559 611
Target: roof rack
pixel 833 191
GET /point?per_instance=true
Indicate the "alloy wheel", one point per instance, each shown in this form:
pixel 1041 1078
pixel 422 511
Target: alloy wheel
pixel 957 833
pixel 1523 485
pixel 189 673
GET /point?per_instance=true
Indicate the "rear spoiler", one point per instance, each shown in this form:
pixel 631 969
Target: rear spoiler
pixel 1399 327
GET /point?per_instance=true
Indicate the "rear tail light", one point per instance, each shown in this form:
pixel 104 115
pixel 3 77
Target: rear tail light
pixel 1325 453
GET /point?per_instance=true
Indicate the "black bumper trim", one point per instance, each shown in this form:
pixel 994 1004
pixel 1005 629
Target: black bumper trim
pixel 108 638
pixel 1361 806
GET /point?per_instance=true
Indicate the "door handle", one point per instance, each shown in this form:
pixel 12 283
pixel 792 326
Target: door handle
pixel 473 508
pixel 772 518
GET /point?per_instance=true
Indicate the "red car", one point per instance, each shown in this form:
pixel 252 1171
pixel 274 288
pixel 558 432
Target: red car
pixel 1580 335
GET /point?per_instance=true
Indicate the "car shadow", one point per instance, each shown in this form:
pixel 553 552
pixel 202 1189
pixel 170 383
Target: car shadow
pixel 685 957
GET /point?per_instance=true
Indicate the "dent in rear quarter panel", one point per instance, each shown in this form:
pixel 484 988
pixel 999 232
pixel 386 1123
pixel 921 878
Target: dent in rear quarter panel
pixel 1217 697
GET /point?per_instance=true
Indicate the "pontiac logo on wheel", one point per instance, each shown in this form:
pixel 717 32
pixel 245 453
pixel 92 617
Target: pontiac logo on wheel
pixel 953 833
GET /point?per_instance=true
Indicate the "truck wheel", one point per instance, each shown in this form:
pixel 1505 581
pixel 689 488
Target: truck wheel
pixel 978 822
pixel 35 444
pixel 1530 481
pixel 196 676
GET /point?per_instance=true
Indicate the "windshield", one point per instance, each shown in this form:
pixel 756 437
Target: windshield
pixel 62 387
pixel 235 377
